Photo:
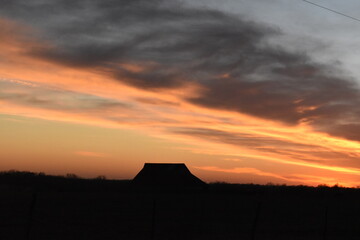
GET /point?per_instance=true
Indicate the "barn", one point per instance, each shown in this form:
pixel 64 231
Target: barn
pixel 167 176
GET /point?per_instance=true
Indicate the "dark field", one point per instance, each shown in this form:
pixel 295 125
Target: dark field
pixel 101 209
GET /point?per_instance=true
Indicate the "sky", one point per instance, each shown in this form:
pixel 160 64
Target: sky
pixel 240 91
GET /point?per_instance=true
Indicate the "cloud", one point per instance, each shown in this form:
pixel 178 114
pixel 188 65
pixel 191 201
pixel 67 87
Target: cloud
pixel 241 171
pixel 298 178
pixel 279 148
pixel 155 101
pixel 25 93
pixel 236 138
pixel 42 100
pixel 228 58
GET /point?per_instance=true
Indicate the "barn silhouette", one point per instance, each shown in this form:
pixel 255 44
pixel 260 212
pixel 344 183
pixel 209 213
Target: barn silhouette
pixel 167 176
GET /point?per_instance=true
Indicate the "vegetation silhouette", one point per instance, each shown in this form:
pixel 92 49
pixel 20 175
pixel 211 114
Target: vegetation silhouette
pixel 29 181
pixel 39 206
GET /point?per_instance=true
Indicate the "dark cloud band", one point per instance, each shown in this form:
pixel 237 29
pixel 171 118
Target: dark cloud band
pixel 175 44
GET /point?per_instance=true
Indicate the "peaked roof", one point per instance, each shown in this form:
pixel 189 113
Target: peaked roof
pixel 167 175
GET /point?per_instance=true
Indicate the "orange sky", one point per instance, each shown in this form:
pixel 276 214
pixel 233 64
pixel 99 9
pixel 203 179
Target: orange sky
pixel 60 118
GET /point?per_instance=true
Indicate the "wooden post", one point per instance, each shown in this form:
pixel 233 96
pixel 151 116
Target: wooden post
pixel 254 228
pixel 30 216
pixel 325 222
pixel 153 221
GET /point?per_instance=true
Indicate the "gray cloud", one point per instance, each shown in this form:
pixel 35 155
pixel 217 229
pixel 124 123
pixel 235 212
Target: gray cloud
pixel 175 44
pixel 298 151
pixel 238 139
pixel 155 101
pixel 44 97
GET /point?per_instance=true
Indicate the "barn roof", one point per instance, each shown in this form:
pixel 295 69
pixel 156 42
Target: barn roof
pixel 171 175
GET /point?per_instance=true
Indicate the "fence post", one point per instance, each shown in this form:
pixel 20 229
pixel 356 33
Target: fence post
pixel 30 216
pixel 256 221
pixel 326 221
pixel 153 221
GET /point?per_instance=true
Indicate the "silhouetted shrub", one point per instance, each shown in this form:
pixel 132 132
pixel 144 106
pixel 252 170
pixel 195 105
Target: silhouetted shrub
pixel 71 175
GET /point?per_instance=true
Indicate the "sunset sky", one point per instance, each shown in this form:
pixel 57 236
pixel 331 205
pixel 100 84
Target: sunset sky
pixel 243 91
